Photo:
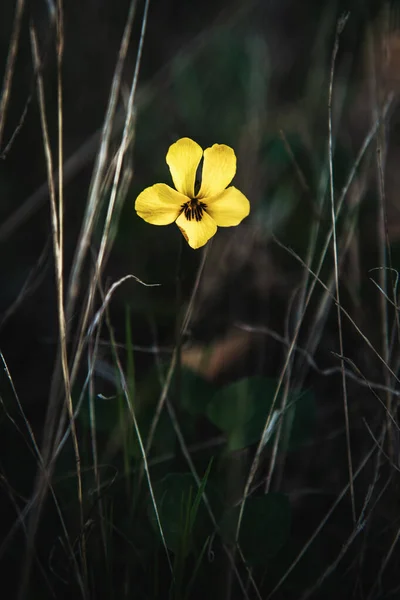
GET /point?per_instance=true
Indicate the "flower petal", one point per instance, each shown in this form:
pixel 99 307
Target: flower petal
pixel 228 208
pixel 183 159
pixel 197 233
pixel 159 204
pixel 219 169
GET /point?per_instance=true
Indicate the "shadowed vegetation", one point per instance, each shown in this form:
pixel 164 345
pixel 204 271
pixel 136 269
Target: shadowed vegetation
pixel 176 423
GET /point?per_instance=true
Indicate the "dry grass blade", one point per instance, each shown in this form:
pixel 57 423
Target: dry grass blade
pixel 99 314
pixel 315 275
pixel 374 591
pixel 13 497
pixel 359 527
pixel 131 410
pixel 116 187
pixel 70 168
pixel 32 282
pixel 187 452
pixel 101 165
pixel 344 311
pixel 340 27
pixel 57 216
pixel 56 222
pixel 244 413
pixel 30 505
pixel 21 410
pixel 310 361
pixel 90 218
pixel 385 258
pixel 9 71
pixel 322 524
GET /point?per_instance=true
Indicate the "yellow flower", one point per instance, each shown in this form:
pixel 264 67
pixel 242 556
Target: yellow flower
pixel 196 207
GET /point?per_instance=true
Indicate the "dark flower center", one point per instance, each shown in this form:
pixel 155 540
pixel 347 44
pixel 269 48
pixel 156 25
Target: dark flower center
pixel 193 209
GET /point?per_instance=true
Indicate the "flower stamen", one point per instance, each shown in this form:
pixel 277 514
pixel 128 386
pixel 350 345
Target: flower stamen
pixel 193 209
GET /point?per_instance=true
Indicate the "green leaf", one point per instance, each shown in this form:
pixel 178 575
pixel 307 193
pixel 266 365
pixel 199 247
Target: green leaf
pixel 195 392
pixel 234 405
pixel 241 409
pixel 179 510
pixel 264 529
pixel 172 494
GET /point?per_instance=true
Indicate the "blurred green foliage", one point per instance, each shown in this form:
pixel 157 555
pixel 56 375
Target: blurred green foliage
pixel 221 89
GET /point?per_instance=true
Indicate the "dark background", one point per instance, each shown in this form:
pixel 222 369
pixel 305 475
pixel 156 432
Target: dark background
pixel 222 72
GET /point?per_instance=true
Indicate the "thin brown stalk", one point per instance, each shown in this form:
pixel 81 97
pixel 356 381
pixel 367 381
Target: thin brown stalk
pixel 382 231
pixel 302 297
pixel 15 501
pixel 31 283
pixel 21 410
pixel 359 527
pixel 317 327
pixel 322 524
pixel 101 165
pixel 255 463
pixel 385 562
pixel 370 136
pixel 70 168
pixel 367 142
pixel 132 413
pixel 121 154
pixel 344 311
pixel 88 224
pixel 91 215
pixel 43 480
pixel 341 24
pixel 61 370
pixel 309 359
pixel 92 358
pixel 187 455
pixel 10 65
pixel 22 515
pixel 260 447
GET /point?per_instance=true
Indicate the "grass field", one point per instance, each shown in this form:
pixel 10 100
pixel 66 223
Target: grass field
pixel 216 421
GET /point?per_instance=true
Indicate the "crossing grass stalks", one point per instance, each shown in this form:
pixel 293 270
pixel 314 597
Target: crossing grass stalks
pixel 276 476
